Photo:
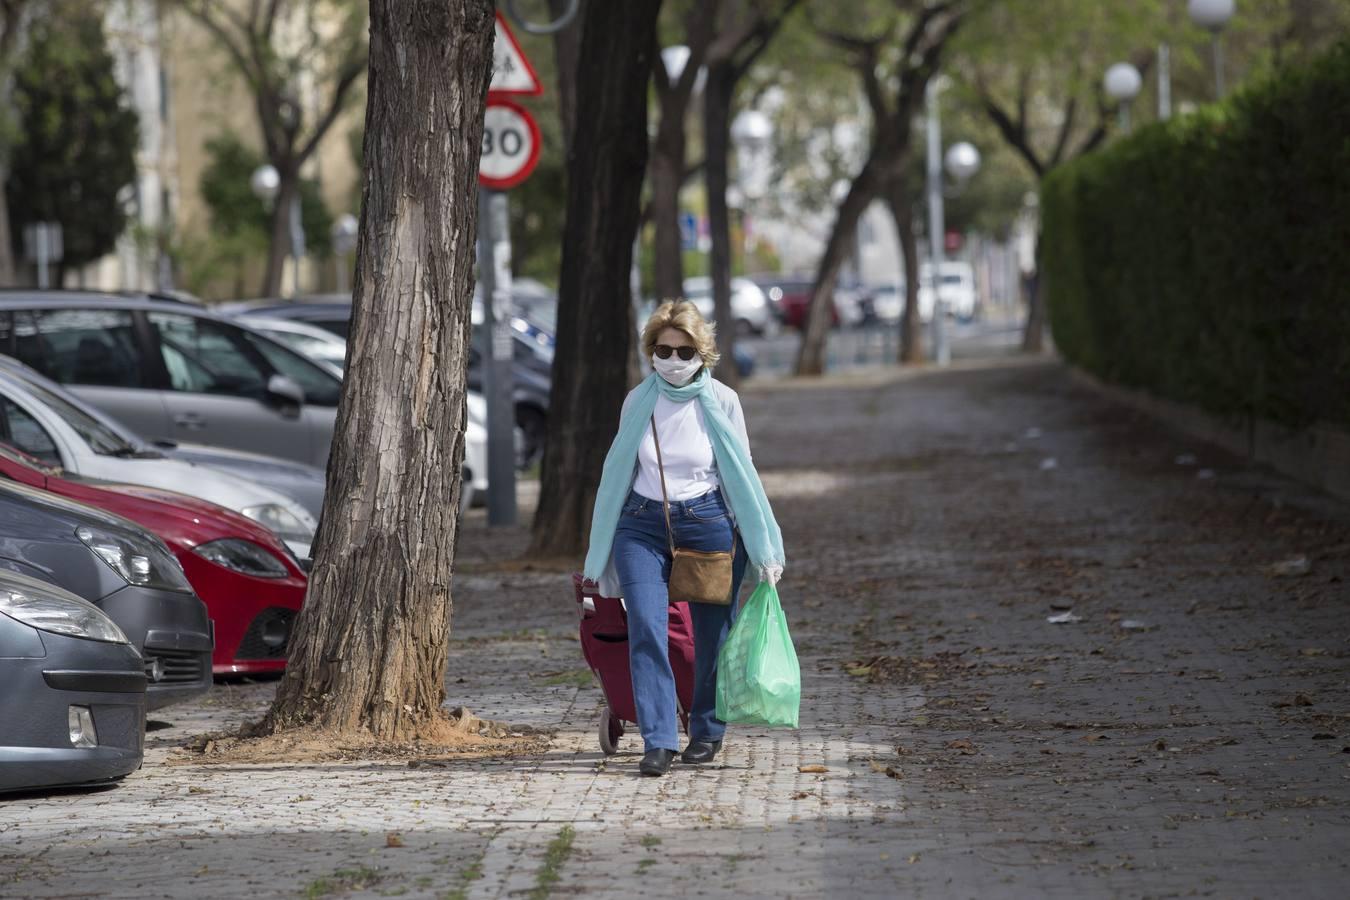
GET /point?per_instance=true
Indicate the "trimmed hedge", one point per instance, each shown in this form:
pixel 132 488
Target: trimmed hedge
pixel 1207 259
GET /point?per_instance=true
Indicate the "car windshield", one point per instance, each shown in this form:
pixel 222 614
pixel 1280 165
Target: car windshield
pixel 100 438
pixel 333 351
pixel 951 279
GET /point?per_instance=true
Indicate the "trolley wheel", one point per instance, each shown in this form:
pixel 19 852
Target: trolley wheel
pixel 611 729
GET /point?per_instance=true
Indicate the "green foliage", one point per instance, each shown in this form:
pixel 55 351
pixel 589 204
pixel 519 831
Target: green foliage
pixel 1203 259
pixel 237 212
pixel 75 155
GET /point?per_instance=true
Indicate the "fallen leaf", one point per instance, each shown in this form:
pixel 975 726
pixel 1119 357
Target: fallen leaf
pixel 193 789
pixel 1324 736
pixel 961 745
pixel 859 671
pixel 813 769
pixel 1309 651
pixel 802 795
pixel 1091 738
pixel 393 839
pixel 913 859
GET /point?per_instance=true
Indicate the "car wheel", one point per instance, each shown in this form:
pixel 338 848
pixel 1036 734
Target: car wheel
pixel 533 425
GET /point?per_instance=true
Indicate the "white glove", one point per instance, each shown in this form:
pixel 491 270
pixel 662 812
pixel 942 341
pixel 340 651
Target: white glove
pixel 770 575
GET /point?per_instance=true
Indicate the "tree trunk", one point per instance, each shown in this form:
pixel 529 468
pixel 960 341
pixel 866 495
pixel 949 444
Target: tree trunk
pixel 901 202
pixel 604 191
pixel 369 649
pixel 717 99
pixel 567 49
pixel 819 313
pixel 280 245
pixel 1033 333
pixel 667 174
pixel 7 272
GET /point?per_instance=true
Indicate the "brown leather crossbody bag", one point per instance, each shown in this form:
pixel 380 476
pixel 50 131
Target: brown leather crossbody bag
pixel 696 576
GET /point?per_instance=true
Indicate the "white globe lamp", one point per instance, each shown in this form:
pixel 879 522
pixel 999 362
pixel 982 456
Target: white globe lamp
pixel 962 160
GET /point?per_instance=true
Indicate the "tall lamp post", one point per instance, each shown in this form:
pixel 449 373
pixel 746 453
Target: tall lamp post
pixel 751 132
pixel 1213 15
pixel 962 161
pixel 1123 83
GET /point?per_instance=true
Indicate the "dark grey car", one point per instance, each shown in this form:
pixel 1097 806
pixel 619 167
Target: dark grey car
pixel 72 711
pixel 67 544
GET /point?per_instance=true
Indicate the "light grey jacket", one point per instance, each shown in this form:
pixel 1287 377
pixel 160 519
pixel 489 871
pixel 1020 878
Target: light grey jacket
pixel 731 405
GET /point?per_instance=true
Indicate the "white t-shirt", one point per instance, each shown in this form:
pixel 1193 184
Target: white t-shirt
pixel 686 451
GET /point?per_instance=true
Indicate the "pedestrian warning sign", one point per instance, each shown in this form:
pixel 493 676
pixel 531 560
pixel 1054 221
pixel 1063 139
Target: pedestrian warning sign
pixel 511 70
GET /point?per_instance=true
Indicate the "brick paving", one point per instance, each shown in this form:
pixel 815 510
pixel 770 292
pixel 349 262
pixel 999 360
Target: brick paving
pixel 972 748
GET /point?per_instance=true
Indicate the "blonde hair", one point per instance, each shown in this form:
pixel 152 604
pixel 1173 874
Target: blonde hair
pixel 682 316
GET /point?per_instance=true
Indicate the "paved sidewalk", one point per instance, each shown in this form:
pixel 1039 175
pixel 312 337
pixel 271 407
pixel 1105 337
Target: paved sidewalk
pixel 1188 736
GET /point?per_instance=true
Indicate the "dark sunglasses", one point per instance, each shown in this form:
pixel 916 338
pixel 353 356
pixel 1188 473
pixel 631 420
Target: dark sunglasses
pixel 664 351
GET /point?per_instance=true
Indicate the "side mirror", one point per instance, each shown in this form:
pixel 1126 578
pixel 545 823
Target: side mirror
pixel 286 394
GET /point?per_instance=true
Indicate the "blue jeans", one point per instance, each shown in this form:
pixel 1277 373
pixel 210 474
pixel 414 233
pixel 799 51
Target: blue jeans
pixel 642 560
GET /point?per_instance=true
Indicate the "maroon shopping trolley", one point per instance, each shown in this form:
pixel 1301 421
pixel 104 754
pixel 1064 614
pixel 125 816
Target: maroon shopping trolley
pixel 604 643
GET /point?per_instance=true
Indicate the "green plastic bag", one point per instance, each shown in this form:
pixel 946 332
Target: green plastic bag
pixel 758 679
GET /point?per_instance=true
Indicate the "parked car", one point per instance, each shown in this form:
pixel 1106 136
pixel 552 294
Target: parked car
pixel 790 297
pixel 958 289
pixel 531 365
pixel 310 341
pixel 749 306
pixel 173 372
pixel 250 582
pixel 121 568
pixel 73 705
pixel 888 300
pixel 46 426
pixel 302 483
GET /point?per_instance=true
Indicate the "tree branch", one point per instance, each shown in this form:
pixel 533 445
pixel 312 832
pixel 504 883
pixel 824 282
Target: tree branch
pixel 348 77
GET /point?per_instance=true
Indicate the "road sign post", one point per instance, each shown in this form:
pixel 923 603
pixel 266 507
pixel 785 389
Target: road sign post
pixel 510 152
pixel 42 246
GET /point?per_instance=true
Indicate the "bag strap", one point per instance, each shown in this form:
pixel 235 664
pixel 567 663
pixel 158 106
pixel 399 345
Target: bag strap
pixel 665 501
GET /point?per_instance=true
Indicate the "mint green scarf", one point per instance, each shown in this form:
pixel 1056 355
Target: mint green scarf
pixel 740 482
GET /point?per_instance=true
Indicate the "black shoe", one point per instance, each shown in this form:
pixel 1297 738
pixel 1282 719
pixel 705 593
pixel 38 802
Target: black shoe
pixel 656 762
pixel 700 751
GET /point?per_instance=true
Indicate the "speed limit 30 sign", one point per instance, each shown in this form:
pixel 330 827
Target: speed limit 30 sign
pixel 510 145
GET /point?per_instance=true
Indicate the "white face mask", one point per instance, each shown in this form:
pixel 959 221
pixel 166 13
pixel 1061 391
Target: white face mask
pixel 675 370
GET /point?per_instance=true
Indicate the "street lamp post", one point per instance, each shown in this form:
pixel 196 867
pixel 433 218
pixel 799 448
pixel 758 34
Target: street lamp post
pixel 1213 15
pixel 1123 83
pixel 962 161
pixel 750 132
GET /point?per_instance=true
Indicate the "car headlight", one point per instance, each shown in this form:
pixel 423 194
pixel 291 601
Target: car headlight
pixel 142 561
pixel 282 522
pixel 244 557
pixel 60 615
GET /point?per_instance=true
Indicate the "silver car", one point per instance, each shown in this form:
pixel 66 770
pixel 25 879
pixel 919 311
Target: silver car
pixel 171 371
pixel 43 421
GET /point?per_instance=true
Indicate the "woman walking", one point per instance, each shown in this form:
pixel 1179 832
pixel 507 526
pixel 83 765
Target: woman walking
pixel 681 450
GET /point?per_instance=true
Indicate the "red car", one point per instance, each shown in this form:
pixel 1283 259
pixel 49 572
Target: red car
pixel 250 582
pixel 791 298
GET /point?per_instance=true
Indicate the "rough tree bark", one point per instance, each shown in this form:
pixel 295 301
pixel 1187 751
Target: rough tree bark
pixel 930 28
pixel 606 167
pixel 369 649
pixel 900 199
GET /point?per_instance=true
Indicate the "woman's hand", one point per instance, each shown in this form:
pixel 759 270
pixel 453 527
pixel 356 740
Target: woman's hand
pixel 770 575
